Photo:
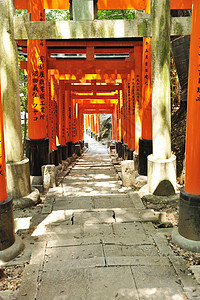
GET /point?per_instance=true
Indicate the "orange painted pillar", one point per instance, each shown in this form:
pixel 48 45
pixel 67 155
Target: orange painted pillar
pixel 89 124
pixel 189 210
pixel 132 113
pixel 92 125
pixel 145 142
pixel 68 121
pixel 37 142
pixel 82 118
pixel 128 112
pixel 119 115
pixel 62 115
pixel 52 114
pixel 116 122
pixel 86 123
pixel 138 96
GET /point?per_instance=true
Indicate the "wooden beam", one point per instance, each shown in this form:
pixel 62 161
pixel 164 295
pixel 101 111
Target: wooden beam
pixel 108 66
pixel 93 97
pixel 107 4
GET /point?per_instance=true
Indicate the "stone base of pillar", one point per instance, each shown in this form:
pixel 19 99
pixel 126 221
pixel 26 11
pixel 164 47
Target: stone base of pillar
pixel 189 212
pixel 128 173
pixel 145 149
pixel 116 147
pixel 52 157
pixel 112 149
pixel 124 151
pixel 69 148
pixel 184 243
pixel 120 149
pixel 130 155
pixel 12 252
pixel 59 147
pixel 64 152
pixel 78 150
pixel 57 156
pixel 99 138
pixel 18 178
pixel 162 176
pixel 136 160
pixel 37 152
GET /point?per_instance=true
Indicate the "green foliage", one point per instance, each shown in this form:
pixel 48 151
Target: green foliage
pixel 105 126
pixel 57 15
pixel 116 14
pixel 20 12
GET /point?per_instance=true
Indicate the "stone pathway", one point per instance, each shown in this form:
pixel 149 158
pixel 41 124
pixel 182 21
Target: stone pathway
pixel 95 240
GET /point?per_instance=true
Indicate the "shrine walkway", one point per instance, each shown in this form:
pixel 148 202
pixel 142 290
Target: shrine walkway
pixel 96 241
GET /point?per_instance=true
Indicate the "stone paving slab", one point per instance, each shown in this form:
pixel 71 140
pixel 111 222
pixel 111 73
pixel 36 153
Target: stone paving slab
pixel 94 217
pixel 140 261
pixel 111 283
pixel 74 203
pixel 128 229
pixel 28 287
pixel 61 254
pixel 70 284
pixel 124 250
pixel 157 283
pixel 98 230
pixel 113 202
pixel 136 239
pixel 93 262
pixel 124 215
pixel 63 241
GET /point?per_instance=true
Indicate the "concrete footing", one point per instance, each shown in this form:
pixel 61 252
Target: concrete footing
pixel 162 176
pixel 184 243
pixel 128 173
pixel 13 251
pixel 136 160
pixel 18 178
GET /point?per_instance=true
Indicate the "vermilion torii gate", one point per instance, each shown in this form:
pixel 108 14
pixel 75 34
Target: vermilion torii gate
pixel 46 76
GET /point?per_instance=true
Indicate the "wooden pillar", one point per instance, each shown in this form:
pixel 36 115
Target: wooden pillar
pixel 68 120
pixel 62 116
pixel 18 172
pixel 128 112
pixel 52 114
pixel 145 142
pixel 138 96
pixel 132 113
pixel 37 142
pixel 189 210
pixel 161 164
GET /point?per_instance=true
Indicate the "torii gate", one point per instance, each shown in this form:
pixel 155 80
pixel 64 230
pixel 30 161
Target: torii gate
pixel 37 31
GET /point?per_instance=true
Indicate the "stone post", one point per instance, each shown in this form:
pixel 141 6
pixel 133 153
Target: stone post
pixel 9 247
pixel 18 173
pixel 83 10
pixel 161 164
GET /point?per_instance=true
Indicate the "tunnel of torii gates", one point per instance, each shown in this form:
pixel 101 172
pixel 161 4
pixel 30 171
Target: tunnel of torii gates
pixel 82 68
